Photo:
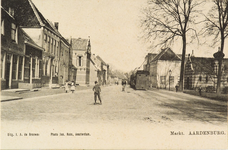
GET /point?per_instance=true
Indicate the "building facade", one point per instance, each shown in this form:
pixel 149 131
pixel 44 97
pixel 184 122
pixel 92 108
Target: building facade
pixel 45 35
pixel 81 50
pixel 165 69
pixel 202 72
pixel 21 57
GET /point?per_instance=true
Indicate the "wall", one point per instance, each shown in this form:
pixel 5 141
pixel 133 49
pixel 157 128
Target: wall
pixel 93 74
pixel 153 74
pixel 81 70
pixel 10 48
pixel 64 63
pixel 35 34
pixel 163 68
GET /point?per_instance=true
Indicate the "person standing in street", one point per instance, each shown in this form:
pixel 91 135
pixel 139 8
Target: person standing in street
pixel 97 91
pixel 66 86
pixel 72 88
pixel 123 84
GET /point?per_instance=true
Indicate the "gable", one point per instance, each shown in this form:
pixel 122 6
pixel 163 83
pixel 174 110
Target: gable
pixel 169 55
pixel 79 44
pixel 24 13
pixel 166 54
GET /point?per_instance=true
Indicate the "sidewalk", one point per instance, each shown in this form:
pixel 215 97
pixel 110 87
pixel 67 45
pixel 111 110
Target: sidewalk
pixel 215 96
pixel 18 94
pixel 212 96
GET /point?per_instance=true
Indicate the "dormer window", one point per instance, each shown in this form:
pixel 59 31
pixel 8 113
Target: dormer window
pixel 11 11
pixel 13 32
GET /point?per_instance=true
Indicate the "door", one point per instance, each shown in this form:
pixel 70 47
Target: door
pixel 7 74
pixel 187 83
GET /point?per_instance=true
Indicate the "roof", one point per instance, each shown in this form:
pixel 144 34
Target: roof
pixel 53 27
pixel 98 57
pixel 92 59
pixel 149 57
pixel 79 44
pixel 204 64
pixel 27 15
pixel 166 54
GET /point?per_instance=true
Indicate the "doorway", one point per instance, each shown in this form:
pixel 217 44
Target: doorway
pixel 7 71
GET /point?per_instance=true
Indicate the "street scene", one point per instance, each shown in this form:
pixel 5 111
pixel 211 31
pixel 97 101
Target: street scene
pixel 109 74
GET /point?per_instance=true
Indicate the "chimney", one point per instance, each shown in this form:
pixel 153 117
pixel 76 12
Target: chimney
pixel 56 25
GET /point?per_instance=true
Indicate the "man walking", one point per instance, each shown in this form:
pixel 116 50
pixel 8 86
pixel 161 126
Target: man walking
pixel 97 90
pixel 123 84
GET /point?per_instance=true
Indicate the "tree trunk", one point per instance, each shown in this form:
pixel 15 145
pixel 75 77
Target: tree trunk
pixel 220 66
pixel 181 86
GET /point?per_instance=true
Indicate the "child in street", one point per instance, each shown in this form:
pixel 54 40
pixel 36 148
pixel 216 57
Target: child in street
pixel 97 90
pixel 72 88
pixel 66 87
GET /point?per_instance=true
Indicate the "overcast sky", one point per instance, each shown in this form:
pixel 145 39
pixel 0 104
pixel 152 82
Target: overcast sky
pixel 113 27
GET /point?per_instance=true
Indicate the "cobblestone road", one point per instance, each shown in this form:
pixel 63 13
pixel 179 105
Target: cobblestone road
pixel 127 118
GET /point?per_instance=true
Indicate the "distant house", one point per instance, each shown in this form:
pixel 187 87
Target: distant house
pixel 81 50
pixel 103 74
pixel 90 68
pixel 201 71
pixel 164 69
pixel 95 70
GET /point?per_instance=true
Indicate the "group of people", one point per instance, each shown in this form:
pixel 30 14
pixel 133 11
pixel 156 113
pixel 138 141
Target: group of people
pixel 97 89
pixel 69 87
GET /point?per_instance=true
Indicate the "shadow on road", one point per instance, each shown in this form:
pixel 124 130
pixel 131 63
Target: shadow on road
pixel 196 110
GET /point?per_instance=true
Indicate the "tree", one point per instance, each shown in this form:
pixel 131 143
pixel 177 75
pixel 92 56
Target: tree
pixel 216 23
pixel 167 20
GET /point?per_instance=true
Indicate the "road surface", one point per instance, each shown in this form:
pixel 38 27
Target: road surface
pixel 133 119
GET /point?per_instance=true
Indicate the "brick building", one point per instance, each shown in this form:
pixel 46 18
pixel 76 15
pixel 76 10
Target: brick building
pixel 21 57
pixel 45 35
pixel 202 71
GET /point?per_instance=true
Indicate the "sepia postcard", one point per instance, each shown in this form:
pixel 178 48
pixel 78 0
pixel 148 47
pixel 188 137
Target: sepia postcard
pixel 114 74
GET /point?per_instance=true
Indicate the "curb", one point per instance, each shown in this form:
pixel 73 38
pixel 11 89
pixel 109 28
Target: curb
pixel 11 99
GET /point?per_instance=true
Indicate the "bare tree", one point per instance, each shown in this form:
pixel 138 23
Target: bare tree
pixel 166 20
pixel 216 23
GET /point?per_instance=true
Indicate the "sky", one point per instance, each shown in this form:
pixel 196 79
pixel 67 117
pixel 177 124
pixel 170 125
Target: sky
pixel 113 27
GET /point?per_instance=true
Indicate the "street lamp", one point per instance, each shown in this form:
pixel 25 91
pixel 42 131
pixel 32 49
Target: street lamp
pixel 170 71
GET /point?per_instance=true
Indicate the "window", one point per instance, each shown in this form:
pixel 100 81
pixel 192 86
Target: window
pixel 206 79
pixel 37 69
pixel 57 48
pixel 48 44
pixel 14 69
pixel 20 68
pixel 2 65
pixel 51 45
pixel 45 38
pixel 54 43
pixel 33 67
pixel 46 66
pixel 27 68
pixel 2 28
pixel 200 78
pixel 45 42
pixel 11 11
pixel 13 32
pixel 79 60
pixel 40 68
